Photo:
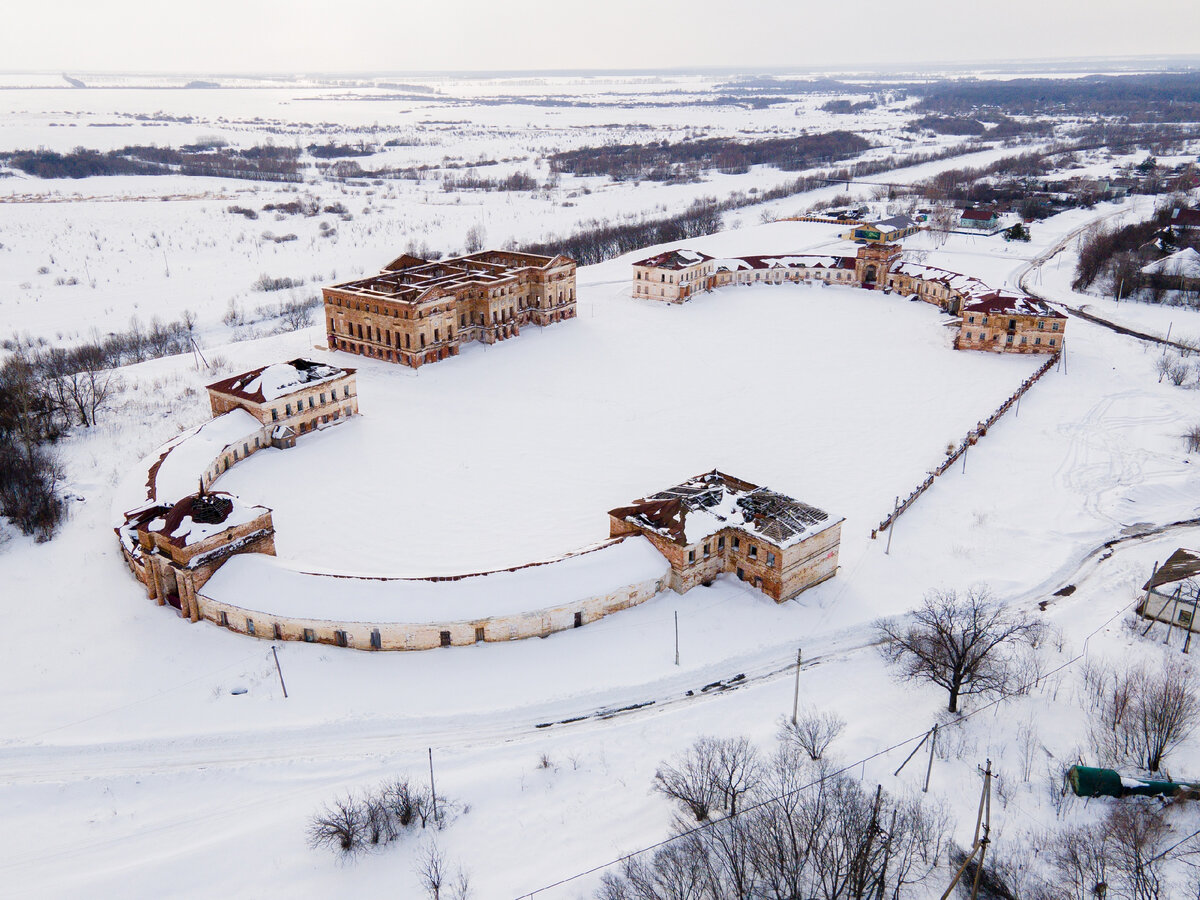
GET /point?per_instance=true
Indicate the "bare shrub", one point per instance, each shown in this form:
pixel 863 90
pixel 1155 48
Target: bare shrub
pixel 1191 438
pixel 1146 713
pixel 340 826
pixel 813 731
pixel 961 644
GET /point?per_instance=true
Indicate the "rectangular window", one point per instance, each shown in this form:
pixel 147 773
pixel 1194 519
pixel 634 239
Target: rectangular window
pixel 736 542
pixel 691 556
pixel 479 634
pixel 445 639
pixel 278 632
pixel 322 399
pixel 770 558
pixel 312 402
pixel 249 626
pixel 1051 342
pixel 721 543
pixel 1185 617
pixel 274 414
pixel 287 409
pixel 346 391
pixel 224 618
pixel 753 552
pixel 376 640
pixel 1037 340
pixel 309 637
pixel 707 549
pixel 341 638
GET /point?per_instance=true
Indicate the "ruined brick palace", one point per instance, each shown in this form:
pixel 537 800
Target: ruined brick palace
pixel 996 320
pixel 418 311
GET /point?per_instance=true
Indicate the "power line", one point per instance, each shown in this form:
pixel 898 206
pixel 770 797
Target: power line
pixel 846 768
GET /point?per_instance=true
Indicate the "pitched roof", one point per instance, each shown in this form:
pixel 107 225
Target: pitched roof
pixel 1011 303
pixel 1179 565
pixel 981 215
pixel 678 258
pixel 1183 264
pixel 897 223
pixel 708 503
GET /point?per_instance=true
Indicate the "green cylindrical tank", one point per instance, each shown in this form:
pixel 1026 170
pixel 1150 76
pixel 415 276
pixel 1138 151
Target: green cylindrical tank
pixel 1088 782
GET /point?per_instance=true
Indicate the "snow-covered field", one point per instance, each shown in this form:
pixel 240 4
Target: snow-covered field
pixel 129 768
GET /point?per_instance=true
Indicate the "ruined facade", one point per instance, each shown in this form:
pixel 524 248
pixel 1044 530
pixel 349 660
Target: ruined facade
pixel 182 545
pixel 289 398
pixel 1031 326
pixel 418 311
pixel 1004 321
pixel 716 523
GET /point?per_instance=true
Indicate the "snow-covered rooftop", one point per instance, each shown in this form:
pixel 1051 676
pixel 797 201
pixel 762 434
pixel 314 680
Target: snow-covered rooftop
pixel 180 462
pixel 708 503
pixel 277 380
pixel 1184 264
pixel 253 580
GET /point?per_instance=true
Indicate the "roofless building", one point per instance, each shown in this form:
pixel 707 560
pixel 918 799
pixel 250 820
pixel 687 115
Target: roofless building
pixel 419 311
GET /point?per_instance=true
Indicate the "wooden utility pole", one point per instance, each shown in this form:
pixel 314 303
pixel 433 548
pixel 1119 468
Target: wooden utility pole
pixel 676 637
pixel 929 768
pixel 796 697
pixel 892 527
pixel 275 653
pixel 983 841
pixel 983 825
pixel 432 789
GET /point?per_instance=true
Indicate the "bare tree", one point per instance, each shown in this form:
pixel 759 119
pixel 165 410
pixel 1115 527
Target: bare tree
pixel 432 870
pixel 813 731
pixel 961 644
pixel 476 238
pixel 738 770
pixel 691 779
pixel 1165 712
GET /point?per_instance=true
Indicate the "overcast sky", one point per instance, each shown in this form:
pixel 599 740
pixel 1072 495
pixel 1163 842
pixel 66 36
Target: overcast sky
pixel 228 36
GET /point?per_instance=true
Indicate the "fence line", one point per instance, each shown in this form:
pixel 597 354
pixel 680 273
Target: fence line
pixel 971 438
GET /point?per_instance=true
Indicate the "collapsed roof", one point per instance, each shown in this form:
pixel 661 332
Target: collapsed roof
pixel 268 383
pixel 708 503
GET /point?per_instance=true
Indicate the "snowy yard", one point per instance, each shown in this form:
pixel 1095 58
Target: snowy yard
pixel 130 767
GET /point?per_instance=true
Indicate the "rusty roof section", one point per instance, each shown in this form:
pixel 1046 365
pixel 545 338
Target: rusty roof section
pixel 310 371
pixel 1008 302
pixel 410 279
pixel 1179 565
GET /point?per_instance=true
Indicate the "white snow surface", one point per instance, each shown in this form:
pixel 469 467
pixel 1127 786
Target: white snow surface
pixel 1183 263
pixel 279 379
pixel 272 585
pixel 186 457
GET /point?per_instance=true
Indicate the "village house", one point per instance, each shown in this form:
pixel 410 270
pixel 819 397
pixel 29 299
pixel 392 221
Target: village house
pixel 885 231
pixel 1010 322
pixel 1179 271
pixel 1173 591
pixel 716 523
pixel 417 311
pixel 290 398
pixel 979 219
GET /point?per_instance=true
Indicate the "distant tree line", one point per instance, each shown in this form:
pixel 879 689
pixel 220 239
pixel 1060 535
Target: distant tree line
pixel 597 241
pixel 517 181
pixel 259 163
pixel 664 160
pixel 44 392
pixel 1160 97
